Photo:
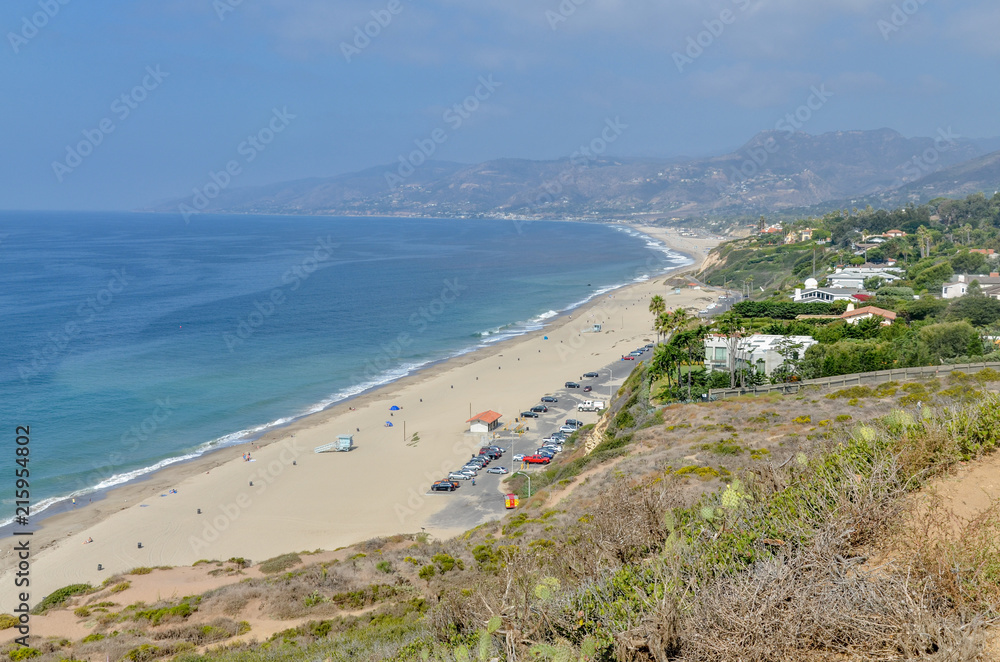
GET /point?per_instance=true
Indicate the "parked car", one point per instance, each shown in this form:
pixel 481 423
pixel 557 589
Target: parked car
pixel 628 357
pixel 528 414
pixel 551 440
pixel 539 409
pixel 567 429
pixel 550 399
pixel 497 470
pixel 572 385
pixel 637 352
pixel 469 471
pixel 444 486
pixel 537 459
pixel 574 423
pixel 458 475
pixel 588 389
pixel 556 447
pixel 591 375
pixel 650 346
pixel 545 453
pixel 518 458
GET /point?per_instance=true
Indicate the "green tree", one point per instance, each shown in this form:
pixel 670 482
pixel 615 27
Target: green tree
pixel 950 339
pixel 969 263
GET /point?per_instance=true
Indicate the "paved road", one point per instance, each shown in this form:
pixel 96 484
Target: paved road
pixel 471 505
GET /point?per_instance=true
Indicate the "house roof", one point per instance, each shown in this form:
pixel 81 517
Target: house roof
pixel 489 417
pixel 870 310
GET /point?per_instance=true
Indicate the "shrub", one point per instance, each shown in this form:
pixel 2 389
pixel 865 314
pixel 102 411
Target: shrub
pixel 843 417
pixel 805 419
pixel 60 596
pixel 81 612
pixel 280 563
pixel 140 571
pixel 384 566
pixel 8 621
pixel 427 572
pixel 120 586
pixel 24 653
pixel 96 636
pixel 142 653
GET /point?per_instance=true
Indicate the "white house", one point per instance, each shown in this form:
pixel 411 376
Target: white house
pixel 852 316
pixel 853 278
pixel 759 350
pixel 959 285
pixel 813 293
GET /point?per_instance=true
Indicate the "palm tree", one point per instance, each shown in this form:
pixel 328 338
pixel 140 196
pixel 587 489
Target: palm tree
pixel 657 306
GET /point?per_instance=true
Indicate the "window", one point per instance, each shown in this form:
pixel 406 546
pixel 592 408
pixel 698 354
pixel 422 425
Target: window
pixel 720 353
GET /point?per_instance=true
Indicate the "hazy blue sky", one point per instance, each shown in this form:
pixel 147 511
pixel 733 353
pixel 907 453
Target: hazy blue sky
pixel 220 69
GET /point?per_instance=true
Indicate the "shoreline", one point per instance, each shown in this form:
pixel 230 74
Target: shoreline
pixel 283 445
pixel 62 505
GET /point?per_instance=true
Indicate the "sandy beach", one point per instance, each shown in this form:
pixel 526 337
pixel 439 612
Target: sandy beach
pixel 289 498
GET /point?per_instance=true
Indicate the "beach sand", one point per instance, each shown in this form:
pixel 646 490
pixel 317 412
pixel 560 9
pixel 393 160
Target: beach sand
pixel 292 499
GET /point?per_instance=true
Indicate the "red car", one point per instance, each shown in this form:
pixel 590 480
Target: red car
pixel 537 459
pixel 628 357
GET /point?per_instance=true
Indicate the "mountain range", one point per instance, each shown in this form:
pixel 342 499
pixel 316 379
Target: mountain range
pixel 774 171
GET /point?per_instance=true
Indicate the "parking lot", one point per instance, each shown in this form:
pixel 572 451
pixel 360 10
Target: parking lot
pixel 470 505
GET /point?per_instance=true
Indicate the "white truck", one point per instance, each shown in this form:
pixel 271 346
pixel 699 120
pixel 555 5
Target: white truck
pixel 590 405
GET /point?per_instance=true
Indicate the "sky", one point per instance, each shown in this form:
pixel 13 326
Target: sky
pixel 118 104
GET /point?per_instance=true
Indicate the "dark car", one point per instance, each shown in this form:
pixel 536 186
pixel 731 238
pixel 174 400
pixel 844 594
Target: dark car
pixel 591 375
pixel 550 399
pixel 444 486
pixel 572 385
pixel 545 452
pixel 539 409
pixel 588 389
pixel 572 422
pixel 528 414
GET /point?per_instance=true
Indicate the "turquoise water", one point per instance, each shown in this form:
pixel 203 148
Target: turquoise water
pixel 131 341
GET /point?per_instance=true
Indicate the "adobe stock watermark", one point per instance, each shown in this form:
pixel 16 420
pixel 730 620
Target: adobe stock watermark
pixel 927 161
pixel 291 281
pixel 223 7
pixel 87 311
pixel 31 25
pixel 757 157
pixel 249 149
pixel 416 500
pixel 565 9
pixel 419 322
pixel 261 478
pixel 898 18
pixel 714 27
pixel 130 440
pixel 454 118
pixel 363 34
pixel 122 107
pixel 578 160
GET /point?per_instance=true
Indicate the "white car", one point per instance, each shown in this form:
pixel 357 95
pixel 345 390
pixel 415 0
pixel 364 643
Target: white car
pixel 556 447
pixel 470 470
pixel 567 428
pixel 518 458
pixel 497 470
pixel 458 475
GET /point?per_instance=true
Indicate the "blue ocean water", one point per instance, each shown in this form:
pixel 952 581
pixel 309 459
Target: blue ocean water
pixel 131 341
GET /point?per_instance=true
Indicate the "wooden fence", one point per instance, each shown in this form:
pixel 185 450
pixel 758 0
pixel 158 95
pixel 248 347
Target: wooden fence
pixel 856 379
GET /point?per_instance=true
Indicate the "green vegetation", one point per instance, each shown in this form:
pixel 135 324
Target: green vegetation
pixel 280 563
pixel 57 598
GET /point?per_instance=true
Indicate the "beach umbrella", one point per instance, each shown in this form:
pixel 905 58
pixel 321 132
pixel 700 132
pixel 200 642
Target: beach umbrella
pixel 394 408
pixel 388 424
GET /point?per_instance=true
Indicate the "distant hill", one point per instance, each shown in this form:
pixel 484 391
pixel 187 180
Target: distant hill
pixel 978 174
pixel 774 171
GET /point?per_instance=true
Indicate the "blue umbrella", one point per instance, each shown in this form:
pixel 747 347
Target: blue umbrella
pixel 394 408
pixel 388 424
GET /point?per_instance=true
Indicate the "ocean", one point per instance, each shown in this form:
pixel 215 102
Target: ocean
pixel 133 341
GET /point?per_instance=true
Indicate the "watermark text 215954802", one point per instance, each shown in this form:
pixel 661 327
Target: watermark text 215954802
pixel 22 501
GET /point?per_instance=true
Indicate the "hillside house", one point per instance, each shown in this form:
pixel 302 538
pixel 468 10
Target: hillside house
pixel 758 351
pixel 958 286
